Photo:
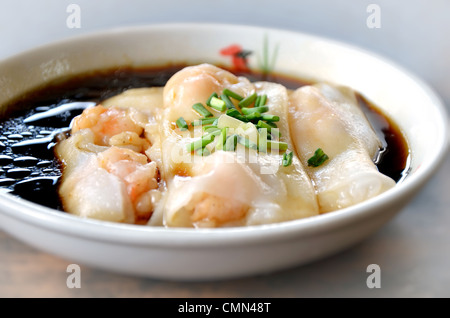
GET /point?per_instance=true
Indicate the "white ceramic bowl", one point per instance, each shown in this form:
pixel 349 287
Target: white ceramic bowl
pixel 189 254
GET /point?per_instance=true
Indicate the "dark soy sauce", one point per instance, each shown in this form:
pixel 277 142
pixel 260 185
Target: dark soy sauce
pixel 30 125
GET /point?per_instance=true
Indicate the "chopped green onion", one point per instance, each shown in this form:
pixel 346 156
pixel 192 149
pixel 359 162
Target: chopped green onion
pixel 318 159
pixel 230 144
pixel 199 108
pixel 208 102
pixel 247 143
pixel 217 104
pixel 262 124
pixel 271 128
pixel 235 114
pixel 287 159
pixel 261 101
pixel 257 101
pixel 270 118
pixel 204 121
pixel 214 133
pixel 210 128
pixel 229 93
pixel 227 101
pixel 222 138
pixel 248 100
pixel 252 116
pixel 262 139
pixel 201 143
pixel 198 144
pixel 182 124
pixel 260 109
pixel 281 146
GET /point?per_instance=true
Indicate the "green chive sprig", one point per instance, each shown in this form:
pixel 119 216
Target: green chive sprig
pixel 227 101
pixel 199 108
pixel 287 159
pixel 204 121
pixel 248 100
pixel 318 158
pixel 251 109
pixel 217 104
pixel 259 109
pixel 230 144
pixel 232 94
pixel 182 124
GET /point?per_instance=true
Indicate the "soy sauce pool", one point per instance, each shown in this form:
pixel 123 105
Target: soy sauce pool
pixel 30 125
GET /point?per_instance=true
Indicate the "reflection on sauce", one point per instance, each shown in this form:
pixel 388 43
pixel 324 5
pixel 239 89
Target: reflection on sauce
pixel 29 169
pixel 394 158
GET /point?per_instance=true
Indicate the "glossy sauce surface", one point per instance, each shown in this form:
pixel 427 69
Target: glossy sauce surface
pixel 30 126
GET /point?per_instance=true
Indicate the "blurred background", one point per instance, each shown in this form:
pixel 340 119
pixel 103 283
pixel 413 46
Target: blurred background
pixel 412 250
pixel 413 33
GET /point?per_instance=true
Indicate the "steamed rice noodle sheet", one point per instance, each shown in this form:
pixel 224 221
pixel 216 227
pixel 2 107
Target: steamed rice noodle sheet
pixel 326 120
pixel 107 174
pixel 229 181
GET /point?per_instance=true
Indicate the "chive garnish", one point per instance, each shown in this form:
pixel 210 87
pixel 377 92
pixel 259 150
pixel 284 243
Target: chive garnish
pixel 262 124
pixel 261 100
pixel 318 158
pixel 251 109
pixel 230 144
pixel 252 116
pixel 236 114
pixel 204 121
pixel 208 102
pixel 227 101
pixel 210 128
pixel 198 144
pixel 260 109
pixel 270 118
pixel 199 108
pixel 222 138
pixel 262 139
pixel 258 98
pixel 201 143
pixel 271 124
pixel 217 104
pixel 232 94
pixel 287 159
pixel 182 124
pixel 248 100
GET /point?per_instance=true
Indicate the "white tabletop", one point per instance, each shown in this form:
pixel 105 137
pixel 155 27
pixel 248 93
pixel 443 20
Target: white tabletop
pixel 412 250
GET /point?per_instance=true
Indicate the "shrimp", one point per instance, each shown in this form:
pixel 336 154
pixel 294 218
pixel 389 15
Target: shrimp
pixel 138 175
pixel 110 176
pixel 216 211
pixel 105 123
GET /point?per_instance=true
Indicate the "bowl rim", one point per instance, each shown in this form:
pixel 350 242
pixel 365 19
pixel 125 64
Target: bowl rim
pixel 124 234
